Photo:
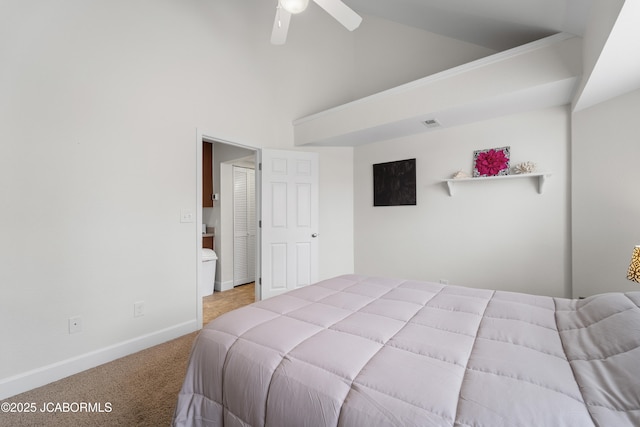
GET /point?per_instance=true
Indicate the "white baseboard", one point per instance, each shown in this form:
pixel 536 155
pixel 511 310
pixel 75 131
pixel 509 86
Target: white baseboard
pixel 26 381
pixel 223 286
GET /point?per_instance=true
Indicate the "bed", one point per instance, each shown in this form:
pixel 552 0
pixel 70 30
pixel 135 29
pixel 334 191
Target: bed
pixel 368 351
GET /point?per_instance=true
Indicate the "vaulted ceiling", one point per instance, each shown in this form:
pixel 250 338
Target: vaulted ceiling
pixel 495 24
pixel 609 30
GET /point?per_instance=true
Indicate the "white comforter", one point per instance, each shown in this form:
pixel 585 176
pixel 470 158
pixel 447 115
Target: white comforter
pixel 362 351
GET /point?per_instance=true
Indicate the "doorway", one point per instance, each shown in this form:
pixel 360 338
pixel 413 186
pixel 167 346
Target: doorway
pixel 222 217
pixel 218 219
pixel 286 241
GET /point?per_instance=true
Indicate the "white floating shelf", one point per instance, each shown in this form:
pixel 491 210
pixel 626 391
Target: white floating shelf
pixel 541 177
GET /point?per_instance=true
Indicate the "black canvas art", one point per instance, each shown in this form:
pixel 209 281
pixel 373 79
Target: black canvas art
pixel 394 183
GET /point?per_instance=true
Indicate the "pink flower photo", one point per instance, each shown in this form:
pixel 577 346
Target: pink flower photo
pixel 491 162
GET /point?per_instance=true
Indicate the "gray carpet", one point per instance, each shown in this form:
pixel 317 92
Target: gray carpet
pixel 141 390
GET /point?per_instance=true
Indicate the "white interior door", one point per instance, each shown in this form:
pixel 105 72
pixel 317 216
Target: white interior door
pixel 244 229
pixel 289 220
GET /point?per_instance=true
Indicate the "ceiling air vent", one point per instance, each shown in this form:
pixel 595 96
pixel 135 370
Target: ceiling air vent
pixel 431 123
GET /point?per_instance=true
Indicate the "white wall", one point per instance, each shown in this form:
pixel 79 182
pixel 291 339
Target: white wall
pixel 498 235
pixel 100 104
pixel 605 202
pixel 336 250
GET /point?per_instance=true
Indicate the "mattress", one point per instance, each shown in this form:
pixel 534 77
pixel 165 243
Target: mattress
pixel 367 351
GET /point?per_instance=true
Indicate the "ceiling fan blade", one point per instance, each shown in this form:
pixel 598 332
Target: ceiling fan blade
pixel 280 26
pixel 341 12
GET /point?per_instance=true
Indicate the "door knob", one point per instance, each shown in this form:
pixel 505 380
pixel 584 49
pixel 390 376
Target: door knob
pixel 314 235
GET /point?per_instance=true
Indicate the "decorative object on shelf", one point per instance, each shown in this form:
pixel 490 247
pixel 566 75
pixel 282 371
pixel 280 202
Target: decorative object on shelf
pixel 394 183
pixel 491 162
pixel 524 167
pixel 460 175
pixel 634 266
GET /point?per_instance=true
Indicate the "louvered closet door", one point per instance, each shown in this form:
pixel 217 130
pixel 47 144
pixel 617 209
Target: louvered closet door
pixel 251 225
pixel 244 228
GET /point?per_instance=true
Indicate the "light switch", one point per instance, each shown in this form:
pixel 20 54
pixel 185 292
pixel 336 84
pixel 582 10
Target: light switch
pixel 186 215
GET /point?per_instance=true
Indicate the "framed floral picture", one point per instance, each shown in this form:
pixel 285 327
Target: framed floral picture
pixel 491 162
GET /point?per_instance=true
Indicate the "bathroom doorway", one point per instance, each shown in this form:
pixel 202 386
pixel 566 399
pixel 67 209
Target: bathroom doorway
pixel 289 181
pixel 222 218
pixel 229 159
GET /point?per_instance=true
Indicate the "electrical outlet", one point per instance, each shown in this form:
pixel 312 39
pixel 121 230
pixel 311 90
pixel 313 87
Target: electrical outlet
pixel 138 309
pixel 75 324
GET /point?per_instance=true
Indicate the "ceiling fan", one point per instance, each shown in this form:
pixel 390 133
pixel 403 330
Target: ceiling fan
pixel 336 8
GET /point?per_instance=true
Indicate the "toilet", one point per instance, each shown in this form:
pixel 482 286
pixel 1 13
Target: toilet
pixel 208 277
